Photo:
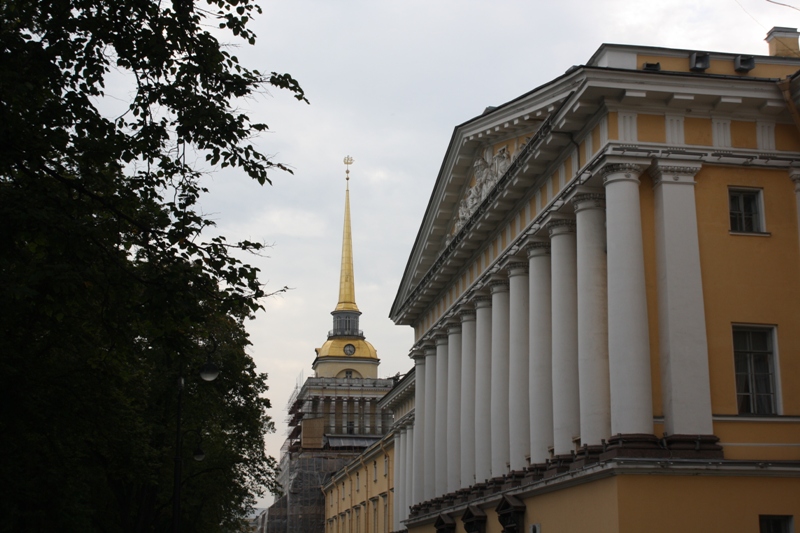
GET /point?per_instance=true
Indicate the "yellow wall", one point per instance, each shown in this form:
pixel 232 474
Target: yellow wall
pixel 647 203
pixel 651 128
pixel 360 487
pixel 749 279
pixel 656 503
pixel 697 131
pixel 764 440
pixel 743 134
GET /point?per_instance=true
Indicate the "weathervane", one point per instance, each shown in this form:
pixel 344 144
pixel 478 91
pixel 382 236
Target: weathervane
pixel 348 161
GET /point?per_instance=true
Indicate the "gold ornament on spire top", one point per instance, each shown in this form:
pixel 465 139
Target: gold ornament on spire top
pixel 348 161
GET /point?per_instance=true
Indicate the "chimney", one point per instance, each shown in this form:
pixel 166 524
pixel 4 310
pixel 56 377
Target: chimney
pixel 783 42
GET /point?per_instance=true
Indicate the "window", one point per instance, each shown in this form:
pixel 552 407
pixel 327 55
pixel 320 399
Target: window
pixel 374 470
pixel 755 370
pixel 746 211
pixel 351 428
pixel 358 481
pixel 775 524
pixel 343 493
pixel 375 515
pixel 348 374
pixel 385 465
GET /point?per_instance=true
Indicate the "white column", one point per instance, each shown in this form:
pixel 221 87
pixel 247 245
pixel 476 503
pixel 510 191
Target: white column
pixel 418 470
pixel 399 468
pixel 628 330
pixel 431 409
pixel 345 415
pixel 518 366
pixel 467 398
pixel 566 405
pixel 332 413
pixel 442 447
pixel 595 403
pixel 686 387
pixel 483 380
pixel 499 380
pixel 410 464
pixel 453 407
pixel 540 376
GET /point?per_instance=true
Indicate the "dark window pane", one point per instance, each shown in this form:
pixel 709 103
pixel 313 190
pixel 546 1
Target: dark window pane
pixel 740 341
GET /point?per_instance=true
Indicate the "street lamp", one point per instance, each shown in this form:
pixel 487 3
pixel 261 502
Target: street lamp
pixel 208 372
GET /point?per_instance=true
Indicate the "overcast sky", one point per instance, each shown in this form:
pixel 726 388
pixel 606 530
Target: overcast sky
pixel 388 80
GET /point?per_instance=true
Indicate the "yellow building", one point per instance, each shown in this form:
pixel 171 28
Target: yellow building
pixel 605 294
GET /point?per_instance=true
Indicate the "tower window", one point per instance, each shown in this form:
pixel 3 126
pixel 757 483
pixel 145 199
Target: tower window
pixel 348 374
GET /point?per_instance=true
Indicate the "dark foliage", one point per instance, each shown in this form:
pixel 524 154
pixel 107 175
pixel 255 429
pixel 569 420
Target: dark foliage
pixel 109 290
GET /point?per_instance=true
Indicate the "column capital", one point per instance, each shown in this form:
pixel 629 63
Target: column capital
pixel 418 355
pixel 615 168
pixel 674 171
pixel 498 285
pixel 588 198
pixel 440 337
pixel 517 267
pixel 561 226
pixel 430 350
pixel 536 246
pixel 467 314
pixel 481 300
pixel 794 175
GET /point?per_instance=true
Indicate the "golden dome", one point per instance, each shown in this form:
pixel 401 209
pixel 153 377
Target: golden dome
pixel 336 348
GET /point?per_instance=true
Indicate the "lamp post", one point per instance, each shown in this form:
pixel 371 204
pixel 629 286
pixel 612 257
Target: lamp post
pixel 208 372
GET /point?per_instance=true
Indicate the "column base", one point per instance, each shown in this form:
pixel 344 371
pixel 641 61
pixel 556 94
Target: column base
pixel 693 446
pixel 514 479
pixel 558 465
pixel 496 484
pixel 534 472
pixel 587 456
pixel 633 445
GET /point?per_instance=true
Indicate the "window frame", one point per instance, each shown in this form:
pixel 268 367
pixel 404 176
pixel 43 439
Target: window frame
pixel 758 218
pixel 772 338
pixel 784 522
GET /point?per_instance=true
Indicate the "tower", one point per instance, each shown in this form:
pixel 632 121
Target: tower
pixel 346 353
pixel 334 415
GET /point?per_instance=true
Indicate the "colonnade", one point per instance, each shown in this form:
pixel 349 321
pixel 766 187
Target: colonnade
pixel 551 354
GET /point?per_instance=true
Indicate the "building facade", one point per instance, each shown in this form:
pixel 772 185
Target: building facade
pixel 605 294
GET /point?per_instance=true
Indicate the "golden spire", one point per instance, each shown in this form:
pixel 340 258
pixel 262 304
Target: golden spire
pixel 347 287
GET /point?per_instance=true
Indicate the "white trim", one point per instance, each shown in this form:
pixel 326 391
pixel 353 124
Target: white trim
pixel 721 132
pixel 765 135
pixel 628 131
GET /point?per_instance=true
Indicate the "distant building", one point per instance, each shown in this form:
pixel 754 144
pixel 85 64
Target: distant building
pixel 605 294
pixel 333 416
